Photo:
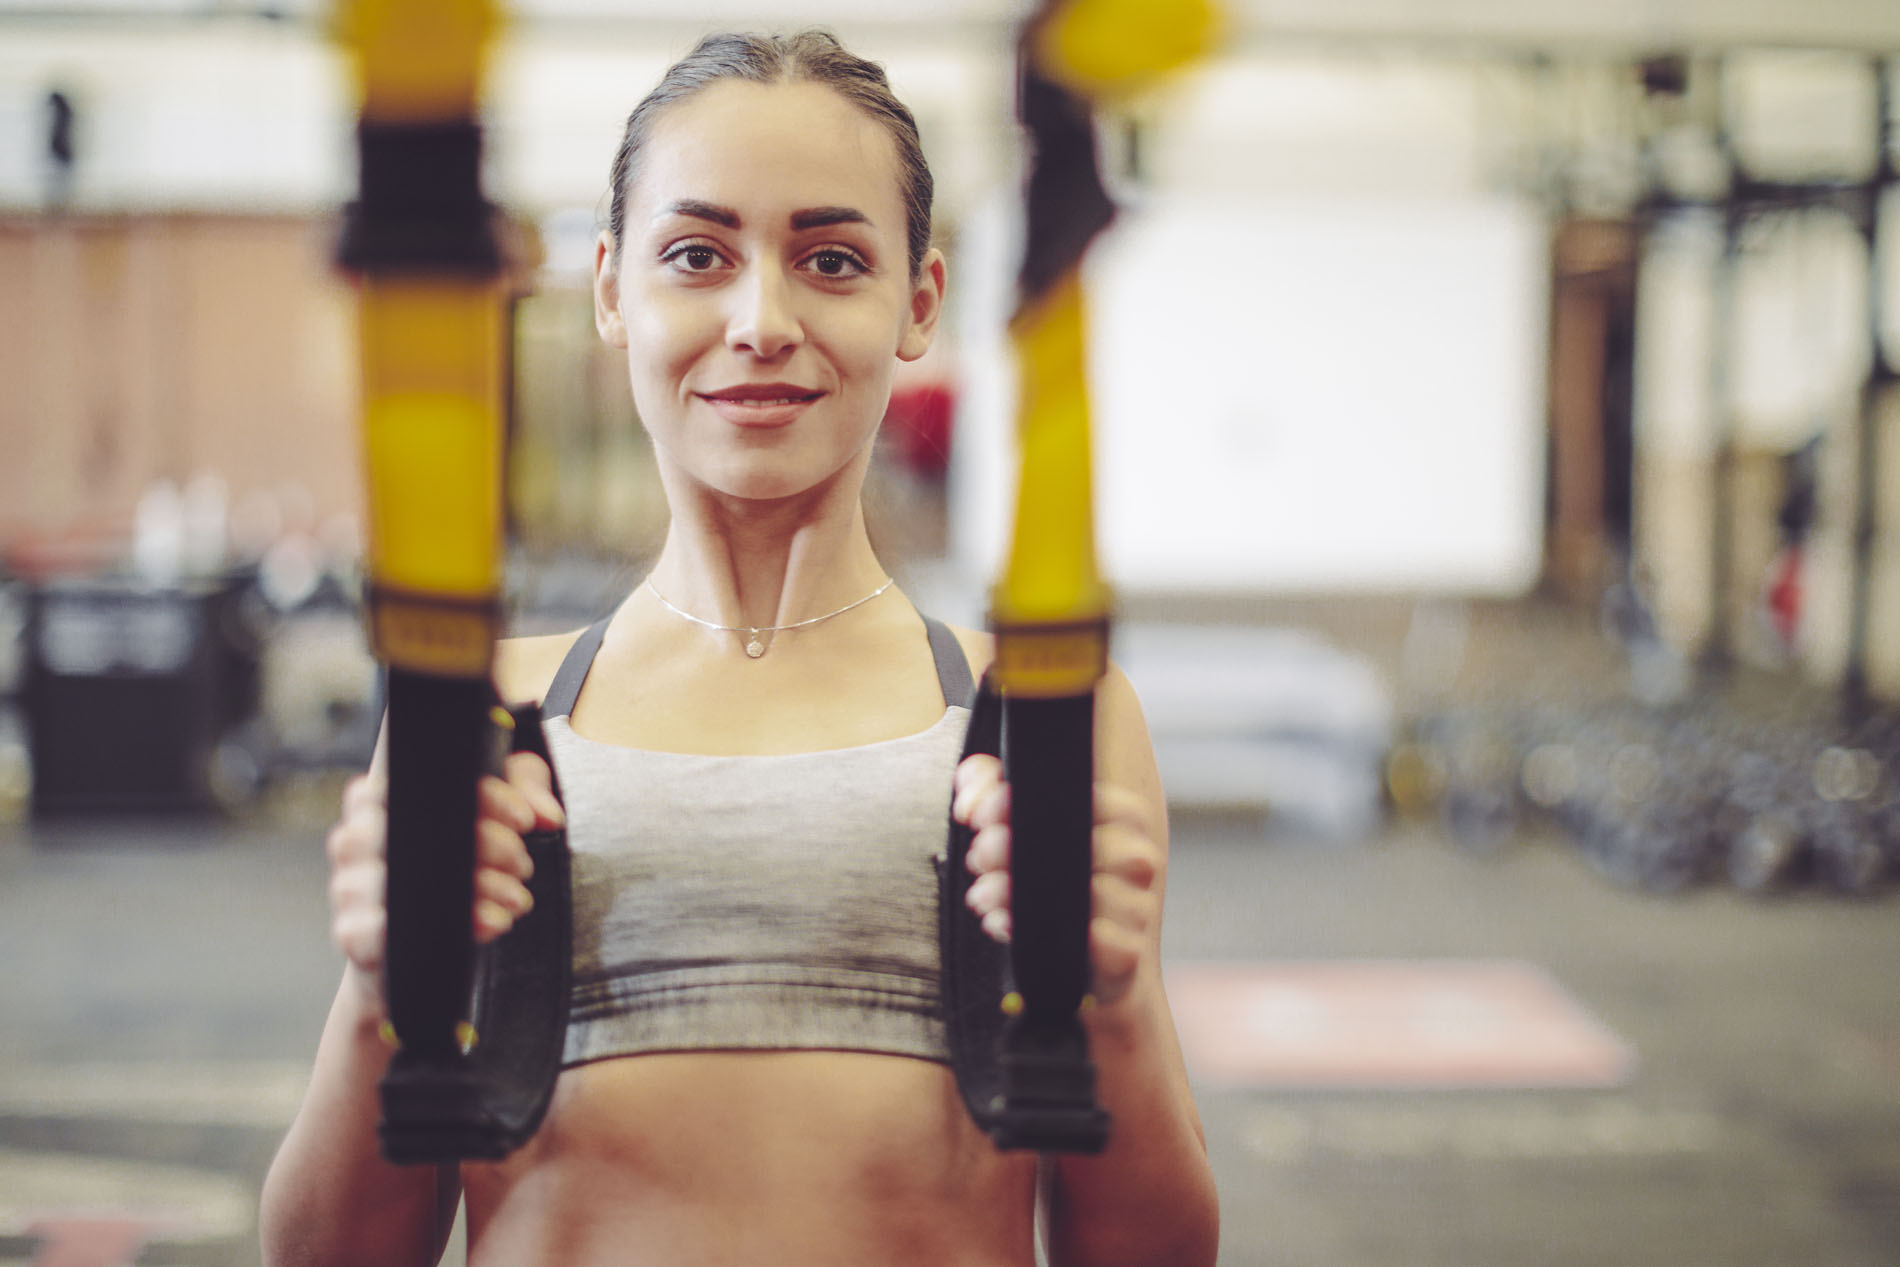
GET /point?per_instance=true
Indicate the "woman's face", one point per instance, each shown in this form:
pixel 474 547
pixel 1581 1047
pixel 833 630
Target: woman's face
pixel 763 293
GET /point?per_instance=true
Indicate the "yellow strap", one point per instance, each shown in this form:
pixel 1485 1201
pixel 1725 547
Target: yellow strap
pixel 1051 608
pixel 1111 48
pixel 418 61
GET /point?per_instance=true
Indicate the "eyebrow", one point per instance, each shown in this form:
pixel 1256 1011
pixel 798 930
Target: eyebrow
pixel 819 217
pixel 702 211
pixel 809 218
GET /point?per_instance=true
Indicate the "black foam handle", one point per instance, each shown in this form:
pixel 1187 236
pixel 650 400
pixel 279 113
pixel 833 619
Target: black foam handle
pixel 439 735
pixel 1049 760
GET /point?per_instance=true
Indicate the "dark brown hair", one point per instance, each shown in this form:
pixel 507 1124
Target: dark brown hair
pixel 810 56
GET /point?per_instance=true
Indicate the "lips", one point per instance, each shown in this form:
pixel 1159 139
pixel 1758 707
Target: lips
pixel 760 404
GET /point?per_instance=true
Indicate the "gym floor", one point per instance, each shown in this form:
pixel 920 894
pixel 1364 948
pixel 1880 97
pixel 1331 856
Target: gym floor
pixel 165 984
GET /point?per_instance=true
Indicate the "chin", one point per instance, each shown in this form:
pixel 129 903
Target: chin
pixel 775 484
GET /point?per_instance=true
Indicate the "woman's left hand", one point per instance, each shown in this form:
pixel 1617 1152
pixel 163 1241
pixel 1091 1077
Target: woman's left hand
pixel 1125 896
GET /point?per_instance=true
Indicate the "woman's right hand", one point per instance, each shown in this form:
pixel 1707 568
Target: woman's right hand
pixel 508 808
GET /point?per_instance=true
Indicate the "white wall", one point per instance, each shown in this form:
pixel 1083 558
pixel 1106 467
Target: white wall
pixel 1298 394
pixel 223 115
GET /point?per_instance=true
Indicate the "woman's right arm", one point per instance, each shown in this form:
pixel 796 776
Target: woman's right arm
pixel 330 1198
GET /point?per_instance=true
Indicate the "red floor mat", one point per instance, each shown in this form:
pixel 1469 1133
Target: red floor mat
pixel 1392 1024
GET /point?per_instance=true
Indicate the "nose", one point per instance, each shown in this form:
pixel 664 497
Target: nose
pixel 763 320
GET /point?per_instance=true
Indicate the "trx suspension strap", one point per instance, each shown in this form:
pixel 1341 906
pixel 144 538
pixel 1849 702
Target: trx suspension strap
pixel 419 241
pixel 1016 1035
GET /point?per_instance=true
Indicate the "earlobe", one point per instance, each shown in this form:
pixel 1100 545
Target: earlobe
pixel 926 305
pixel 607 319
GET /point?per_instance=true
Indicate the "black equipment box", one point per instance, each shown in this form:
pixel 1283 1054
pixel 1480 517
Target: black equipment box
pixel 129 690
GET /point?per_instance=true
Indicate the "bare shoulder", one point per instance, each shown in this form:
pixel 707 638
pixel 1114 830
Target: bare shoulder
pixel 525 667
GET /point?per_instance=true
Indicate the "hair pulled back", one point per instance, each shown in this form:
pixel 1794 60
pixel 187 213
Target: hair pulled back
pixel 810 56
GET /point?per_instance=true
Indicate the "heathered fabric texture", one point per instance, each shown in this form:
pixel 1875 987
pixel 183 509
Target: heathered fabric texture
pixel 757 902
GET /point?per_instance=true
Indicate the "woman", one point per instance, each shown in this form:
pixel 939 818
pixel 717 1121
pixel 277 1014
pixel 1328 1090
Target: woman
pixel 756 764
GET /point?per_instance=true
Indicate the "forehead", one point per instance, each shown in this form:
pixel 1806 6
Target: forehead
pixel 766 150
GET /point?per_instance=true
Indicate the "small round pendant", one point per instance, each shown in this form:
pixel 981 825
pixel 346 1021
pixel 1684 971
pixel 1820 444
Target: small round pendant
pixel 755 648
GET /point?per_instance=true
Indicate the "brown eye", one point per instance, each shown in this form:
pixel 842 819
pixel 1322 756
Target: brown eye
pixel 836 264
pixel 692 257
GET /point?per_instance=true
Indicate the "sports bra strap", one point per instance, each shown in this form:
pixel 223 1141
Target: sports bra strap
pixel 953 667
pixel 566 687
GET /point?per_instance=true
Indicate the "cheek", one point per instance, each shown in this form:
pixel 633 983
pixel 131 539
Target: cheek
pixel 664 338
pixel 866 347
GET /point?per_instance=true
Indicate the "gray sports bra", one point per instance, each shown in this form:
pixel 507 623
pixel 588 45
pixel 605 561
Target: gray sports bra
pixel 757 902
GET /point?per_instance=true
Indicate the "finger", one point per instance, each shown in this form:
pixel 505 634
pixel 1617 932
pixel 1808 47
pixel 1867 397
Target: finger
pixel 1116 954
pixel 491 920
pixel 501 848
pixel 1127 853
pixel 989 806
pixel 357 838
pixel 359 933
pixel 996 925
pixel 504 891
pixel 499 800
pixel 363 792
pixel 530 774
pixel 989 850
pixel 975 778
pixel 1114 803
pixel 975 766
pixel 989 892
pixel 363 884
pixel 1123 904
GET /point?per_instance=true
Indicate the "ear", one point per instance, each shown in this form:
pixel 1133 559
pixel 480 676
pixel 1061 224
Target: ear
pixel 926 305
pixel 607 319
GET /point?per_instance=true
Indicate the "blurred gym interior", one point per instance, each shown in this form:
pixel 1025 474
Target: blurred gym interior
pixel 1497 476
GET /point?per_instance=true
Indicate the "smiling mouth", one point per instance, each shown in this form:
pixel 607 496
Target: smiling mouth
pixel 761 402
pixel 751 407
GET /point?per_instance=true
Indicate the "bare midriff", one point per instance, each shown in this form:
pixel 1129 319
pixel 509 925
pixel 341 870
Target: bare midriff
pixel 737 1159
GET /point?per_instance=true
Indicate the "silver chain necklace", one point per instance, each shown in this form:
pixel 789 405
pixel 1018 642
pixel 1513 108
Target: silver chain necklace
pixel 753 646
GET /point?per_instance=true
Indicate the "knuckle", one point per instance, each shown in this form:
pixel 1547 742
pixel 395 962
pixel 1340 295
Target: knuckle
pixel 1143 868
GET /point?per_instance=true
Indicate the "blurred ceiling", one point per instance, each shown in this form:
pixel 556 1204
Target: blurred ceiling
pixel 1552 24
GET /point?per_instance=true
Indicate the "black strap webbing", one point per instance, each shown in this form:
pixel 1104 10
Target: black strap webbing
pixel 444 1105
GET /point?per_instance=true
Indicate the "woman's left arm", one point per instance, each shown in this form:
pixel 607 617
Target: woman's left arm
pixel 1148 1199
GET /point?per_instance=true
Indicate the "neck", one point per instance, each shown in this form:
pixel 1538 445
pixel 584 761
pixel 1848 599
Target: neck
pixel 759 564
